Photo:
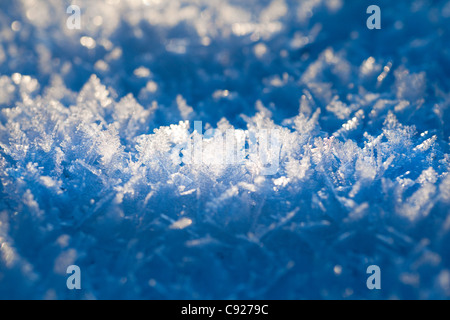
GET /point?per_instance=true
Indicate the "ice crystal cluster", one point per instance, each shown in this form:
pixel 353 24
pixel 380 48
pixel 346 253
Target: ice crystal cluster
pixel 90 120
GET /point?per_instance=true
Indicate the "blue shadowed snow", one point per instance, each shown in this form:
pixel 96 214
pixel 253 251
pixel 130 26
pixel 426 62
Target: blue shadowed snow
pixel 90 122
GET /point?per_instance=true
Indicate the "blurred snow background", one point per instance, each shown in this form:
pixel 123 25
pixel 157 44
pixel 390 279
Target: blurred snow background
pixel 90 118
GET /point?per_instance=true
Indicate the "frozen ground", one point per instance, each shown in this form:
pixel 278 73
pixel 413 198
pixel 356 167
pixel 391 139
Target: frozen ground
pixel 90 119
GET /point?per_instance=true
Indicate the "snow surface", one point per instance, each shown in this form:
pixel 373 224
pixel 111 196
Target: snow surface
pixel 90 120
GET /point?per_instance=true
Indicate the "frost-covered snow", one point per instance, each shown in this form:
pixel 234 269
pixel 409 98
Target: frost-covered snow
pixel 92 121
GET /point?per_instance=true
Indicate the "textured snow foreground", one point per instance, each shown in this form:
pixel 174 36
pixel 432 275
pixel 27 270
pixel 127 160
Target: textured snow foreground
pixel 91 119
